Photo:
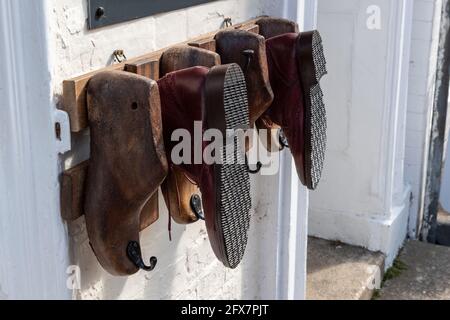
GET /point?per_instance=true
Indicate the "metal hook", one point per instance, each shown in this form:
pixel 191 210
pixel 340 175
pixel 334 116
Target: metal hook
pixel 135 255
pixel 196 206
pixel 258 167
pixel 283 141
pixel 249 55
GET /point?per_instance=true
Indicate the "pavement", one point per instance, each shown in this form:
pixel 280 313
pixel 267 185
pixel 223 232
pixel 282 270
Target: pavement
pixel 342 272
pixel 426 274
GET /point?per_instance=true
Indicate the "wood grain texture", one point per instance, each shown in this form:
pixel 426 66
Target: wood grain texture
pixel 207 44
pixel 74 90
pixel 72 197
pixel 146 67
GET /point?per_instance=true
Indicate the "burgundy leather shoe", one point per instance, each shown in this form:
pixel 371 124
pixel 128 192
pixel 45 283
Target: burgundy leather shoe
pixel 296 64
pixel 217 98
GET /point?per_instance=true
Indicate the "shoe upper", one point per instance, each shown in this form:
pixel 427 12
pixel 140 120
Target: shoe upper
pixel 287 109
pixel 231 45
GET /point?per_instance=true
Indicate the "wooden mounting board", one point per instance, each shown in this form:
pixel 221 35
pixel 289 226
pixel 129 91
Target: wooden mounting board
pixel 74 103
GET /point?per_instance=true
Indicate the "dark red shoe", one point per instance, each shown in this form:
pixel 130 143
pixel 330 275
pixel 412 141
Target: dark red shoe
pixel 217 98
pixel 296 64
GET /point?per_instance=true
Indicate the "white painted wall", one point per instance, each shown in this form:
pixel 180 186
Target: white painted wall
pixel 363 199
pixel 425 38
pixel 37 249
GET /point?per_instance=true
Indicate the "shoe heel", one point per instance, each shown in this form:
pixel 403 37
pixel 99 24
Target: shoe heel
pixel 320 62
pixel 236 199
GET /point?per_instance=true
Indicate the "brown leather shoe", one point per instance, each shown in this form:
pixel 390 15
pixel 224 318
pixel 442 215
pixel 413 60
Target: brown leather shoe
pixel 128 163
pixel 248 50
pixel 296 65
pixel 216 98
pixel 182 196
pixel 271 27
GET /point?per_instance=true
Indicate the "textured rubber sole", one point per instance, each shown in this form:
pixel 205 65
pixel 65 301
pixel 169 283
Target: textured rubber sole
pixel 234 193
pixel 315 112
pixel 320 62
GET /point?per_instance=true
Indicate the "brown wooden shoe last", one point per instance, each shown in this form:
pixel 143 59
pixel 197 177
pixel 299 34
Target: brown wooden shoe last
pixel 128 163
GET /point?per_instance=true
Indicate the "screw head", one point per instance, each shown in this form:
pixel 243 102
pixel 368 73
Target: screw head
pixel 99 13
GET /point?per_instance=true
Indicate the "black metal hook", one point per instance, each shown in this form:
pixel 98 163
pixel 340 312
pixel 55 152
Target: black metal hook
pixel 283 141
pixel 249 55
pixel 196 206
pixel 258 167
pixel 135 255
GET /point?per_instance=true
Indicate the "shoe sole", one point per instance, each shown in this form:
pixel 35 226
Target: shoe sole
pixel 312 67
pixel 226 100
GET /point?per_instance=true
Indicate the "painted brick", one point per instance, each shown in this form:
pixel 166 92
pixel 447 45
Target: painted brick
pixel 422 30
pixel 413 173
pixel 415 139
pixel 423 10
pixel 417 85
pixel 414 156
pixel 417 103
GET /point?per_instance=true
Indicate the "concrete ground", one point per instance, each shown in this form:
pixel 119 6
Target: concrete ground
pixel 426 275
pixel 341 272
